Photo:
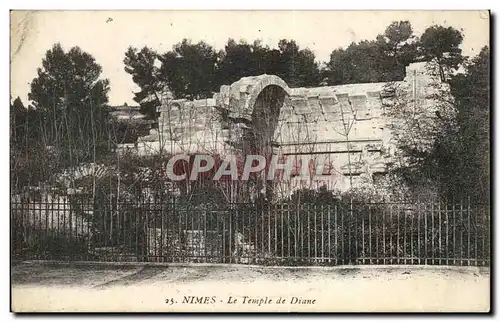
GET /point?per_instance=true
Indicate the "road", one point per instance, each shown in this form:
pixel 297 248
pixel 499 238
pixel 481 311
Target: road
pixel 84 287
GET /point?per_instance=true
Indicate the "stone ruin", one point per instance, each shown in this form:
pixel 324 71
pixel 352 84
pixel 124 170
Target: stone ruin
pixel 348 124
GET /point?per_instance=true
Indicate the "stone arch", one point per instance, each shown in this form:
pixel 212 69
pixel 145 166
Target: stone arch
pixel 263 84
pixel 265 116
pixel 240 98
pixel 254 104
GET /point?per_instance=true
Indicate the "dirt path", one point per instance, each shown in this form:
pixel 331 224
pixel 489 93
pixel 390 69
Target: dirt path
pixel 37 287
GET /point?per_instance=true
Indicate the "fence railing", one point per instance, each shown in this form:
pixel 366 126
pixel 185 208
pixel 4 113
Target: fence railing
pixel 340 233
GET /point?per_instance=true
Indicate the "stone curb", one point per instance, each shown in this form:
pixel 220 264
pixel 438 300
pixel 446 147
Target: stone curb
pixel 471 269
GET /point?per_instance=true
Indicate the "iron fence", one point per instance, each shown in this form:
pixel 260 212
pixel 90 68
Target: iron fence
pixel 337 233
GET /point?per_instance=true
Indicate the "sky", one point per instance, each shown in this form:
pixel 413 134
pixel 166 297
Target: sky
pixel 107 34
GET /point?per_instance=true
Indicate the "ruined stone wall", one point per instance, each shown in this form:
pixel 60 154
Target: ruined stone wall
pixel 348 124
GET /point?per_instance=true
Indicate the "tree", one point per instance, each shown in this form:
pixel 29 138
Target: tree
pixel 18 118
pixel 456 160
pixel 189 70
pixel 398 48
pixel 240 60
pixel 71 99
pixel 442 45
pixel 297 66
pixel 381 60
pixel 358 63
pixel 68 80
pixel 145 74
pixel 470 147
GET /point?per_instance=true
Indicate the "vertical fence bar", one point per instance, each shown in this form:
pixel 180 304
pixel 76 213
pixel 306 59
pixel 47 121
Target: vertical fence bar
pixel 268 229
pixel 468 233
pixel 224 238
pixel 231 237
pixel 25 215
pixel 404 228
pixel 398 217
pixel 262 219
pixel 350 227
pixel 476 233
pixel 138 216
pixel 412 233
pixel 90 202
pixel 440 237
pixel 70 215
pixel 315 234
pixel 153 206
pixel 462 255
pixel 37 217
pixel 363 242
pixel 329 234
pixel 193 243
pixel 282 237
pixel 322 235
pixel 179 237
pixel 336 232
pixel 483 236
pixel 275 229
pixel 370 253
pixel 391 233
pixel 77 232
pixel 454 248
pixel 308 233
pixel 42 237
pixel 488 234
pixel 288 227
pixel 217 249
pixel 433 233
pixel 419 232
pixel 112 229
pixel 256 232
pixel 376 233
pixel 384 250
pixel 299 230
pixel 339 234
pixel 28 226
pixel 167 224
pixel 143 229
pixel 447 233
pixel 205 236
pixel 426 241
pixel 482 223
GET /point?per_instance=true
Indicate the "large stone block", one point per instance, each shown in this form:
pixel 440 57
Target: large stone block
pixel 329 104
pixel 314 104
pixel 358 102
pixel 301 105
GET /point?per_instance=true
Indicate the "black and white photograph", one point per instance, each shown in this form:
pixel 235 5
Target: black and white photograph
pixel 250 161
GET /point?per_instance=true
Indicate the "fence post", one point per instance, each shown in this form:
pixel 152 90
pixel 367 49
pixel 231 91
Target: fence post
pixel 351 218
pixel 426 256
pixel 433 248
pixel 329 235
pixel 336 226
pixel 322 236
pixel 461 232
pixel 468 231
pixel 370 253
pixel 308 211
pixel 384 252
pixel 288 228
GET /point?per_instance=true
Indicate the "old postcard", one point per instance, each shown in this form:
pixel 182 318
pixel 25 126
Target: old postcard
pixel 250 161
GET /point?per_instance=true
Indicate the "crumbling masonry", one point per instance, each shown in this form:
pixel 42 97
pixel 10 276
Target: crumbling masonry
pixel 347 124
